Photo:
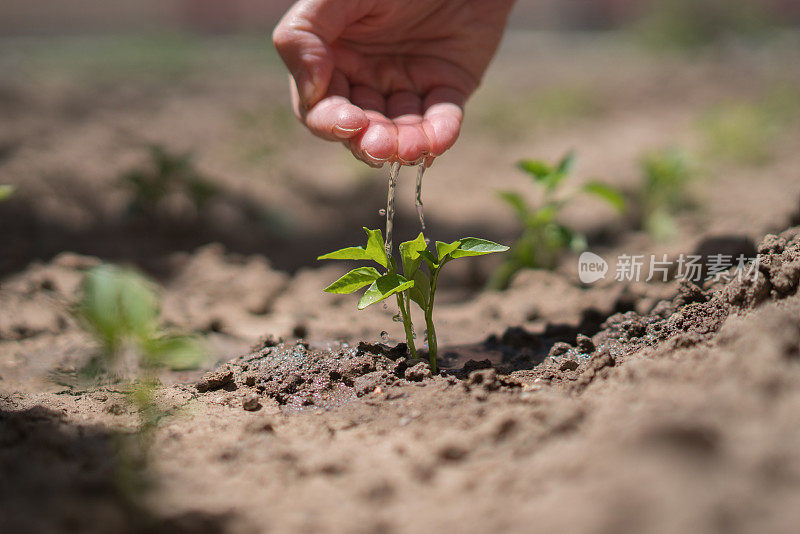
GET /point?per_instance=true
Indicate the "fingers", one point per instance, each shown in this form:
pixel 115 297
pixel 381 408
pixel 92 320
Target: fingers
pixel 444 113
pixel 377 129
pixel 378 142
pixel 334 118
pixel 399 129
pixel 405 110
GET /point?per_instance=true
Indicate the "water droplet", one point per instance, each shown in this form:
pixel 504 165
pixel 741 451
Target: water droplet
pixel 397 318
pixel 385 336
pixel 425 339
pixel 385 306
pixel 382 212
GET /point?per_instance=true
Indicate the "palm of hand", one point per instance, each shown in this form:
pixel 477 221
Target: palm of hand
pixel 400 73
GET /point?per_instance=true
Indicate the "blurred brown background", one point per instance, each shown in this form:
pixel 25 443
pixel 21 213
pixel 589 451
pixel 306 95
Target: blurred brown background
pixel 77 16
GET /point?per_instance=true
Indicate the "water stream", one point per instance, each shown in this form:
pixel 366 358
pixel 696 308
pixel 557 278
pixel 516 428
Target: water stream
pixel 394 170
pixel 418 198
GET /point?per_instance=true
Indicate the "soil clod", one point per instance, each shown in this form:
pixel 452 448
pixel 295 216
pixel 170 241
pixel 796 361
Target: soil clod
pixel 216 379
pixel 250 402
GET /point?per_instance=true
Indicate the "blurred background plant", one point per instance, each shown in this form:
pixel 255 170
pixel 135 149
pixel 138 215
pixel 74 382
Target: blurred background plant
pixel 166 173
pixel 121 309
pixel 544 237
pixel 664 192
pixel 6 191
pixel 747 132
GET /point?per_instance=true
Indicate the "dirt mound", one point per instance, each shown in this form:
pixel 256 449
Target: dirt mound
pixel 297 375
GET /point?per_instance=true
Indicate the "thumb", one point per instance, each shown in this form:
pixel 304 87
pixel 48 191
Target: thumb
pixel 303 38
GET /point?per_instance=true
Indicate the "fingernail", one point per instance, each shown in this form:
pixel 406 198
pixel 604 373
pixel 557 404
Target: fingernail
pixel 380 161
pixel 306 88
pixel 345 133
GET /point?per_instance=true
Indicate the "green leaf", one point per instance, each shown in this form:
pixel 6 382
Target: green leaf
pixel 354 280
pixel 139 304
pixel 6 191
pixel 421 292
pixel 383 288
pixel 409 252
pixel 516 202
pixel 554 180
pixel 349 253
pixel 443 249
pixel 430 259
pixel 118 303
pixel 609 194
pixel 473 246
pixel 539 170
pixel 176 353
pixel 98 306
pixel 376 248
pixel 544 215
pixel 566 164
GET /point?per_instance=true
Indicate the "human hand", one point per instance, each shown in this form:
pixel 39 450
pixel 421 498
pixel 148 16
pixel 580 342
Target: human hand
pixel 389 79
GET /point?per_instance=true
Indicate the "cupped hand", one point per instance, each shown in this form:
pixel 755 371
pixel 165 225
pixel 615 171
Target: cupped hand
pixel 388 78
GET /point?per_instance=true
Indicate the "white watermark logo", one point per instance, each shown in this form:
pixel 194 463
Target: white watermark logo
pixel 695 268
pixel 591 268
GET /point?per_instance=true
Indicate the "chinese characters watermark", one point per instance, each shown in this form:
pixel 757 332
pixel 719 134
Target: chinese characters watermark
pixel 691 267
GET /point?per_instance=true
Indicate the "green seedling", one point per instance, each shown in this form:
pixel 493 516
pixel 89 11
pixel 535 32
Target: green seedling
pixel 6 191
pixel 666 176
pixel 414 284
pixel 166 173
pixel 121 309
pixel 544 238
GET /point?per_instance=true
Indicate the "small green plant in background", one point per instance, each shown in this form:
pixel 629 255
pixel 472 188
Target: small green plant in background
pixel 413 285
pixel 166 173
pixel 6 191
pixel 746 132
pixel 666 175
pixel 544 238
pixel 121 309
